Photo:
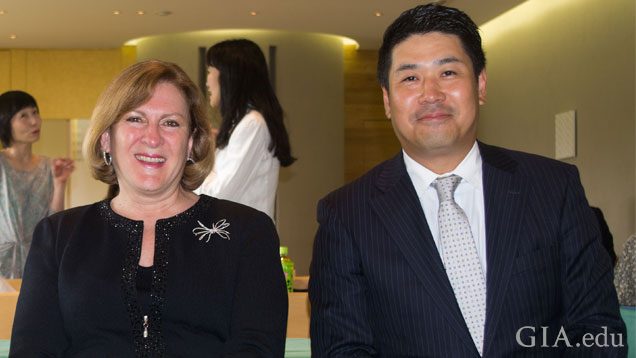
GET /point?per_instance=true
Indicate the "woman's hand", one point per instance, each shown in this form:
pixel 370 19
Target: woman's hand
pixel 62 169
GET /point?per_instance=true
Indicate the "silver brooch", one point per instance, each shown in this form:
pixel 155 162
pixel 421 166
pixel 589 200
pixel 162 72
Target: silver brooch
pixel 203 232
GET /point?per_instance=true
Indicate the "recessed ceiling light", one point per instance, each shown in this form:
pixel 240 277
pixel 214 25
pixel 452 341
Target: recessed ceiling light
pixel 253 13
pixel 140 12
pixel 164 13
pixel 2 12
pixel 116 12
pixel 378 14
pixel 13 37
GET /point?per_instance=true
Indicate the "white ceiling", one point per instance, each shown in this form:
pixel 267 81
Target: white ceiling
pixel 91 23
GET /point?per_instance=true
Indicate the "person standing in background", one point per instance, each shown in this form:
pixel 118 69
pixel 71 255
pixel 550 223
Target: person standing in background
pixel 31 186
pixel 625 274
pixel 252 142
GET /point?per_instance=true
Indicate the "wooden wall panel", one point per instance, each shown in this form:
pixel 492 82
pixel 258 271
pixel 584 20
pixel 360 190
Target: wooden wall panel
pixel 66 83
pixel 18 69
pixel 5 71
pixel 369 136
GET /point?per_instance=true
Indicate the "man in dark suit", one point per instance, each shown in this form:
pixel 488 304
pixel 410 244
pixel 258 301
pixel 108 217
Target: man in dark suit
pixel 455 248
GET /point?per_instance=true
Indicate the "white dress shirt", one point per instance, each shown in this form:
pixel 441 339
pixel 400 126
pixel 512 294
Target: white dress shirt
pixel 469 195
pixel 245 171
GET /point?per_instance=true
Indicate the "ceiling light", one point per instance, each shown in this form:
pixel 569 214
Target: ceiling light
pixel 253 13
pixel 13 37
pixel 2 12
pixel 140 12
pixel 116 12
pixel 378 14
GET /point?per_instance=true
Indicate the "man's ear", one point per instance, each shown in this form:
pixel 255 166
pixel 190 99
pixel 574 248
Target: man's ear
pixel 481 86
pixel 387 103
pixel 104 141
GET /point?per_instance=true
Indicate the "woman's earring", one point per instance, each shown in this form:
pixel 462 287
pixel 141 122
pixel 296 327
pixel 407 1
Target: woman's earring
pixel 190 160
pixel 107 158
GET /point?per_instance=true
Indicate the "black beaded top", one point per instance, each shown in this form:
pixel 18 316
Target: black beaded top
pixel 153 344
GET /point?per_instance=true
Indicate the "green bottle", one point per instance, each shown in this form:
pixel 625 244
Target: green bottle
pixel 288 268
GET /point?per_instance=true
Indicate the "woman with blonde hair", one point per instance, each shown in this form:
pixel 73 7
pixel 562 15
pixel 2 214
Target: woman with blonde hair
pixel 157 270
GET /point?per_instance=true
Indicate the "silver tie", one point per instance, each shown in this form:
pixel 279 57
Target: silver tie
pixel 459 253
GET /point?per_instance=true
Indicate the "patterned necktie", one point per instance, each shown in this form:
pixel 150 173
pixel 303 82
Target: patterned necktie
pixel 461 260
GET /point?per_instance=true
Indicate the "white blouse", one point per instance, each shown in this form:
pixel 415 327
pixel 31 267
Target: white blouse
pixel 245 171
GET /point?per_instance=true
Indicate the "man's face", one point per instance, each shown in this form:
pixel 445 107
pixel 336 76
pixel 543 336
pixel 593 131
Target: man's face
pixel 433 97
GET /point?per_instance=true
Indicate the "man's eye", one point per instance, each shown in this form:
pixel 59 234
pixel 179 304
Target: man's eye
pixel 448 73
pixel 409 79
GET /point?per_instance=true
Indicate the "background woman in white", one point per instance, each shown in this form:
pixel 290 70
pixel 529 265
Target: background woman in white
pixel 252 142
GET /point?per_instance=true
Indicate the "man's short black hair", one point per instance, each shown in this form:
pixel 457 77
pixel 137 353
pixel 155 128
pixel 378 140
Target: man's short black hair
pixel 431 18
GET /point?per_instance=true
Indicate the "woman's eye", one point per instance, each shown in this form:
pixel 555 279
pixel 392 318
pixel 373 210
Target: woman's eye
pixel 172 123
pixel 133 119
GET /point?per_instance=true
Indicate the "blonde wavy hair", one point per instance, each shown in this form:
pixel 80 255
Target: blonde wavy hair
pixel 130 89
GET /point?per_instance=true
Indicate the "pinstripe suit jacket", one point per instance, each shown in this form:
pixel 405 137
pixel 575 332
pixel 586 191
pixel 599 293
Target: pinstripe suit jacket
pixel 378 286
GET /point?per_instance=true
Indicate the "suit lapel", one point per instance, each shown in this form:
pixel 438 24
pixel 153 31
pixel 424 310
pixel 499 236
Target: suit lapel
pixel 399 209
pixel 504 201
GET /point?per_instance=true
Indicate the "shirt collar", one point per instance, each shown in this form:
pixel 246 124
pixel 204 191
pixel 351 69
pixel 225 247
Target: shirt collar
pixel 469 170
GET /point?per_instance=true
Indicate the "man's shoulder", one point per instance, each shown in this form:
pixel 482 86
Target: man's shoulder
pixel 364 187
pixel 522 161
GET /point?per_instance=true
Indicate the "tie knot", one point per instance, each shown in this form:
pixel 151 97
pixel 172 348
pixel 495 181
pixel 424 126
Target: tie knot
pixel 446 187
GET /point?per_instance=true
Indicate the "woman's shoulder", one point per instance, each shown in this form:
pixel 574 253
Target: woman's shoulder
pixel 59 228
pixel 42 162
pixel 75 215
pixel 630 245
pixel 237 223
pixel 253 119
pixel 45 163
pixel 233 210
pixel 252 128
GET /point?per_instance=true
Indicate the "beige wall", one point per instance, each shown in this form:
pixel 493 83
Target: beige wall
pixel 547 57
pixel 309 80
